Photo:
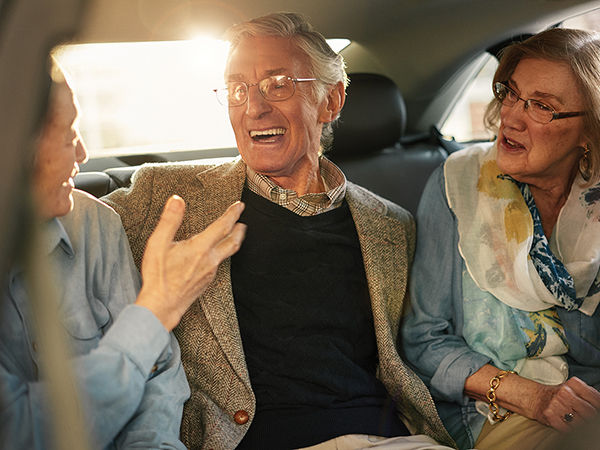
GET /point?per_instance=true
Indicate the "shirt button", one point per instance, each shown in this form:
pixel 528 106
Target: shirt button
pixel 241 417
pixel 34 346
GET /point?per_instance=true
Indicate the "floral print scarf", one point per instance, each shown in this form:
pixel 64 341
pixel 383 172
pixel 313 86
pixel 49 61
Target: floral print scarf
pixel 515 277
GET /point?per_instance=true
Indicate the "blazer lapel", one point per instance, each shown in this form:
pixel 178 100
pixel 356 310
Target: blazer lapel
pixel 222 186
pixel 387 245
pixel 384 249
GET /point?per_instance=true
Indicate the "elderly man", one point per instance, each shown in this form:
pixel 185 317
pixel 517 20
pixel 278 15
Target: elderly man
pixel 125 362
pixel 294 343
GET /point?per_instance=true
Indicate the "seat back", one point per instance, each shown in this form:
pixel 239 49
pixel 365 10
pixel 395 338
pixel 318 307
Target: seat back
pixel 373 118
pixel 96 183
pixel 367 142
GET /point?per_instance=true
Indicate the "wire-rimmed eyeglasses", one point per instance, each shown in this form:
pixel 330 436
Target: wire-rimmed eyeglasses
pixel 538 111
pixel 274 89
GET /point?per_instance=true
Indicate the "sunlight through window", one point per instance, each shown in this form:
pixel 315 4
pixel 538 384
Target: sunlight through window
pixel 151 96
pixel 338 44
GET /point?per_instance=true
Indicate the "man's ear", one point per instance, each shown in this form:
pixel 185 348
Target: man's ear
pixel 334 101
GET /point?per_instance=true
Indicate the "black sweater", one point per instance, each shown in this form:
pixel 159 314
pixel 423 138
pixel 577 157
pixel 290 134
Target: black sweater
pixel 306 323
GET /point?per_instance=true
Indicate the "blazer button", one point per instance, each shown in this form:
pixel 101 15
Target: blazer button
pixel 241 417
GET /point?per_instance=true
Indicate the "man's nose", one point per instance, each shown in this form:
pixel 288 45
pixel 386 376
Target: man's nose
pixel 256 104
pixel 81 153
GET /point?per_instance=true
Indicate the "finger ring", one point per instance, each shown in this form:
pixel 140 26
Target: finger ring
pixel 568 417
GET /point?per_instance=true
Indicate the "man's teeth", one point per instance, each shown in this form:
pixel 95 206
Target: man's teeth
pixel 271 132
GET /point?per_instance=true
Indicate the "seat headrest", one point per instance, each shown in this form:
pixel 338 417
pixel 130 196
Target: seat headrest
pixel 373 118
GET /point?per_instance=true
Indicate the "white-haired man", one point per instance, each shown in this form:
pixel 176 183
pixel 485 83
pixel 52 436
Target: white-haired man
pixel 293 344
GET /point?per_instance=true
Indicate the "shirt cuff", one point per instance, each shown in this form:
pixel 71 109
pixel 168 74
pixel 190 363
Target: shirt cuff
pixel 141 336
pixel 448 382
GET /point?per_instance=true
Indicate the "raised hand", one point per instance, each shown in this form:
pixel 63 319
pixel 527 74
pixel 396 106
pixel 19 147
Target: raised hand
pixel 176 273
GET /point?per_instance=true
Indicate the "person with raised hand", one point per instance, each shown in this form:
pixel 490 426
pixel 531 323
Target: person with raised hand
pixel 125 362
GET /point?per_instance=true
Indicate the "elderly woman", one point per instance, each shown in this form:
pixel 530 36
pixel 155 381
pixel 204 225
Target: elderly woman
pixel 504 326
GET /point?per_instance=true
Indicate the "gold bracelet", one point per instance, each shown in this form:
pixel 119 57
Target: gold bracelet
pixel 491 396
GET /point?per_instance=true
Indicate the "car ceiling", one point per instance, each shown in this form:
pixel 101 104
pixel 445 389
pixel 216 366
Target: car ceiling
pixel 420 44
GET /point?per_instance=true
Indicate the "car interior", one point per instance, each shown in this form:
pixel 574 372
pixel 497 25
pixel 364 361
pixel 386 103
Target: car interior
pixel 420 74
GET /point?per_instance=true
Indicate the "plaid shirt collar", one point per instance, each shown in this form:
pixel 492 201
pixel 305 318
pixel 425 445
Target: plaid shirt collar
pixel 308 204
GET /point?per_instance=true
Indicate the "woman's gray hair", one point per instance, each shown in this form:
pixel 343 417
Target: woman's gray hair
pixel 326 65
pixel 578 49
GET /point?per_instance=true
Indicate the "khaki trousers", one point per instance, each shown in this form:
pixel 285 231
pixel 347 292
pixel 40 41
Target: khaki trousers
pixel 517 433
pixel 363 441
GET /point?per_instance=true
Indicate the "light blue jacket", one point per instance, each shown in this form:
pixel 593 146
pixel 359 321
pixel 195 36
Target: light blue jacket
pixel 128 368
pixel 432 330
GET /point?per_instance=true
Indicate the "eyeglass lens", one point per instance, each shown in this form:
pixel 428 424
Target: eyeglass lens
pixel 538 111
pixel 275 88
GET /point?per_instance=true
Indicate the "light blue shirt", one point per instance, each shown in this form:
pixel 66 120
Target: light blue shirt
pixel 432 331
pixel 128 368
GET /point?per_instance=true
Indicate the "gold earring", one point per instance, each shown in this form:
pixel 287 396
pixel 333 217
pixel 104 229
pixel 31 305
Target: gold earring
pixel 584 163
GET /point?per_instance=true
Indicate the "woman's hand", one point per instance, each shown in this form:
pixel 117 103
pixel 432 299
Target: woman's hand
pixel 567 404
pixel 557 406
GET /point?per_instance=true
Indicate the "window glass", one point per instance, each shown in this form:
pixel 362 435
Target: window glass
pixel 587 21
pixel 149 96
pixel 465 122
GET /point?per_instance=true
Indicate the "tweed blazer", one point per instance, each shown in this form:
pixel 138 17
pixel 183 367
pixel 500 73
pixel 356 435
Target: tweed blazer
pixel 208 334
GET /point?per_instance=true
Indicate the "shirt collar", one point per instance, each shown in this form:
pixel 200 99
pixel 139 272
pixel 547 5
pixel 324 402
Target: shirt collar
pixel 56 236
pixel 334 182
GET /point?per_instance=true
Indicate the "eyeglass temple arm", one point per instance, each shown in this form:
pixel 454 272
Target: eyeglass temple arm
pixel 564 115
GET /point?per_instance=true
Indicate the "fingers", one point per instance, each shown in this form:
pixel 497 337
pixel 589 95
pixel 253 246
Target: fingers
pixel 231 243
pixel 585 391
pixel 169 223
pixel 225 235
pixel 223 226
pixel 567 402
pixel 574 402
pixel 586 399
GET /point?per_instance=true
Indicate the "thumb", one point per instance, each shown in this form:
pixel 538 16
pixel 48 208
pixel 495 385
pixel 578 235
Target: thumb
pixel 170 221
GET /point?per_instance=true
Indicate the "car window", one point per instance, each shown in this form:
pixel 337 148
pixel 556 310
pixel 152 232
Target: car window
pixel 587 21
pixel 146 97
pixel 465 122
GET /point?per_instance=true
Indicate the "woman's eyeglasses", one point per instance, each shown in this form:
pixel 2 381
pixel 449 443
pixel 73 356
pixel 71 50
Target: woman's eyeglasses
pixel 538 111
